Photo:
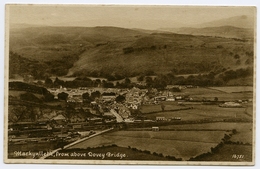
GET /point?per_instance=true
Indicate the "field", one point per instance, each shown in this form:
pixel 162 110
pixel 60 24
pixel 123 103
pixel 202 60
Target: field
pixel 213 126
pixel 234 89
pixel 199 112
pixel 174 143
pixel 154 108
pixel 210 93
pixel 243 136
pixel 244 130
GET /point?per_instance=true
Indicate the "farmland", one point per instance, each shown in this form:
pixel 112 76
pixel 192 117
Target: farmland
pixel 179 144
pixel 222 93
pixel 243 135
pixel 233 89
pixel 154 108
pixel 199 112
pixel 212 126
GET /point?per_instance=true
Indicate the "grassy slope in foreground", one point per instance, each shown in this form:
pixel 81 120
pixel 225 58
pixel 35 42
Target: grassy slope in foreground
pixel 227 152
pixel 178 144
pixel 129 154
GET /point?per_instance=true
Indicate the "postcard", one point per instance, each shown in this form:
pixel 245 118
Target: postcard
pixel 130 84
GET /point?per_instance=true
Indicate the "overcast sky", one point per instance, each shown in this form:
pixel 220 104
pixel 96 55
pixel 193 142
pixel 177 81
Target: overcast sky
pixel 151 17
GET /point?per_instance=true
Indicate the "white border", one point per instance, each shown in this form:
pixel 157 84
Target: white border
pixel 133 2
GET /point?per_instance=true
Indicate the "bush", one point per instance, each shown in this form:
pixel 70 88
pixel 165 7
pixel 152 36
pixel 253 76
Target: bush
pixel 63 96
pixel 128 50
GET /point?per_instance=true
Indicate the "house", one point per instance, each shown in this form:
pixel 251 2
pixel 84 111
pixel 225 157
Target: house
pixel 75 98
pixel 170 87
pixel 230 105
pixel 171 99
pixel 155 129
pixel 76 118
pixel 178 97
pixel 124 112
pixel 108 96
pixel 59 118
pixel 132 106
pixel 160 98
pixel 76 126
pixel 176 118
pixel 160 118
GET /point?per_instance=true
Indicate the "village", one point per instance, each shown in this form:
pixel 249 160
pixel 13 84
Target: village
pixel 110 107
pixel 118 104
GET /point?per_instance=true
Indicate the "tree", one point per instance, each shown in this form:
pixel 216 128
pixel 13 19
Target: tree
pixel 57 82
pixel 238 62
pixel 86 97
pixel 39 82
pixel 216 99
pixel 118 85
pixel 120 98
pixel 63 96
pixel 236 56
pixel 148 81
pixel 140 78
pixel 127 81
pixel 162 107
pixel 128 50
pixel 95 95
pixel 234 131
pixel 97 82
pixel 32 114
pixel 48 82
pixel 108 85
pixel 69 111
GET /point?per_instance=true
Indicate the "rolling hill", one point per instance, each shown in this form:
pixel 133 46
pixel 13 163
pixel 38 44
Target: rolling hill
pixel 223 31
pixel 103 51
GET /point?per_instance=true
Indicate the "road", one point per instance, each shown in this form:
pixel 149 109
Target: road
pixel 118 117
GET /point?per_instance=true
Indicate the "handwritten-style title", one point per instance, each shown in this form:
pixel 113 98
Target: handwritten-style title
pixel 70 154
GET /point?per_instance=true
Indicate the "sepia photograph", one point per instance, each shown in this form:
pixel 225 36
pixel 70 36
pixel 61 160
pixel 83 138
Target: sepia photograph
pixel 130 84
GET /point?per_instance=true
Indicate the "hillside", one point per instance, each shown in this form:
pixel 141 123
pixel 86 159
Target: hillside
pixel 50 43
pixel 223 31
pixel 103 51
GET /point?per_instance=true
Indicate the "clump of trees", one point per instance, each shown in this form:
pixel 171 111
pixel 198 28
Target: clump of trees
pixel 30 88
pixel 120 99
pixel 63 96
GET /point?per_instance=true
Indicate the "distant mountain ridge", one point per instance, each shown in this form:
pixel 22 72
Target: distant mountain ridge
pixel 242 21
pixel 241 27
pixel 223 31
